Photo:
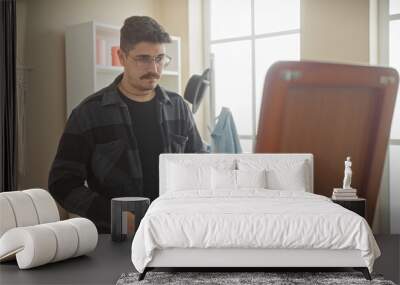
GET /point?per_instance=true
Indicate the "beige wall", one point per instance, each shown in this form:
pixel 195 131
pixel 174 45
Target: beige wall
pixel 174 17
pixel 335 31
pixel 46 21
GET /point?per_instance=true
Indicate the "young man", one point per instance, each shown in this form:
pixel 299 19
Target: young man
pixel 113 139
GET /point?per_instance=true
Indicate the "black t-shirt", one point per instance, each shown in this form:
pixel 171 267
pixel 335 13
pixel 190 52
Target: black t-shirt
pixel 148 136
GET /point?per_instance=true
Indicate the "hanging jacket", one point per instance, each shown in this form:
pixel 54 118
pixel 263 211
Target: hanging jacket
pixel 224 137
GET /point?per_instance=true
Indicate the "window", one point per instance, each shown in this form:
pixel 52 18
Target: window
pixel 243 39
pixel 394 57
pixel 390 46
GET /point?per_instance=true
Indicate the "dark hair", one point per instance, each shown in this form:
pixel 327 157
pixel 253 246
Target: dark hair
pixel 138 29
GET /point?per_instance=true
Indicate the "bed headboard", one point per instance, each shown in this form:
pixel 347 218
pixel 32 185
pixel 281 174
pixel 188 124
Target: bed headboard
pixel 345 110
pixel 195 159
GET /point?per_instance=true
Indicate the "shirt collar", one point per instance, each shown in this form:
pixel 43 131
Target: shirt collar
pixel 111 95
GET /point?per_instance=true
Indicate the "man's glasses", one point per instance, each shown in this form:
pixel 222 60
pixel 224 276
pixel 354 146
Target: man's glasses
pixel 145 61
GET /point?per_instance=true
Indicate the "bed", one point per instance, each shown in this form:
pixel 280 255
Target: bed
pixel 247 210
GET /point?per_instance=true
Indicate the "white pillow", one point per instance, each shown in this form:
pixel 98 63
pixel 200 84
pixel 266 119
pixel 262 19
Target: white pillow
pixel 223 179
pixel 282 174
pixel 251 178
pixel 182 177
pixel 293 178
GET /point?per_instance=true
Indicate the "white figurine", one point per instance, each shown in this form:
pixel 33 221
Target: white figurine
pixel 347 174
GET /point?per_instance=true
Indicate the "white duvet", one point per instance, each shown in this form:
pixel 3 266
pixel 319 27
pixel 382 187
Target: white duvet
pixel 250 218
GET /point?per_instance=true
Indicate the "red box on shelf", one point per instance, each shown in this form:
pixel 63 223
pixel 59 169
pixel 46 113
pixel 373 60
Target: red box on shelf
pixel 114 56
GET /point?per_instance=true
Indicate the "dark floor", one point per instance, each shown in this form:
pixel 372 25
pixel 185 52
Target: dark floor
pixel 389 262
pixel 110 260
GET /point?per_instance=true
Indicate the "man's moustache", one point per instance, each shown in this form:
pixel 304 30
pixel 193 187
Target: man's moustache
pixel 150 76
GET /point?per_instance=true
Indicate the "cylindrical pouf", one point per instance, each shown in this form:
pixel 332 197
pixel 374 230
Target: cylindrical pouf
pixel 23 208
pixel 29 207
pixel 87 235
pixel 67 240
pixel 136 205
pixel 40 244
pixel 7 218
pixel 34 245
pixel 45 205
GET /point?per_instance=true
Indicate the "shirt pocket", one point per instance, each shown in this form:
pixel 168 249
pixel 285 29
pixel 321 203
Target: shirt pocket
pixel 178 143
pixel 105 157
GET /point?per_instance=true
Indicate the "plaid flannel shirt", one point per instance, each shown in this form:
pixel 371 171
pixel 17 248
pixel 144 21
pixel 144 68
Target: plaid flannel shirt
pixel 98 158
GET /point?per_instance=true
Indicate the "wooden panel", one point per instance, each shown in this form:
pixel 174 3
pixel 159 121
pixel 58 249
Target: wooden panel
pixel 332 111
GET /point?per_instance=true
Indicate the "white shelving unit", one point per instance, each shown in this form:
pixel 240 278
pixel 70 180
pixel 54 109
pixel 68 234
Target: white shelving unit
pixel 84 76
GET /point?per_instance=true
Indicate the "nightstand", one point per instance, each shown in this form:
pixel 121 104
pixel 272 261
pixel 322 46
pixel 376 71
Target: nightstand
pixel 119 221
pixel 356 205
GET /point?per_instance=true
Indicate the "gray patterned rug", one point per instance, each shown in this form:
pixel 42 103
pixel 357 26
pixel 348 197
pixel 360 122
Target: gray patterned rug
pixel 228 278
